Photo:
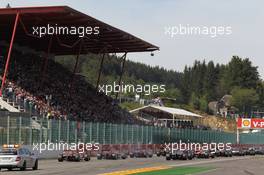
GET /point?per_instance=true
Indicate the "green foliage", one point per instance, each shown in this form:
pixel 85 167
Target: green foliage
pixel 135 73
pixel 260 92
pixel 244 98
pixel 211 80
pixel 130 105
pixel 194 102
pixel 196 86
pixel 241 73
pixel 205 82
pixel 173 93
pixel 203 104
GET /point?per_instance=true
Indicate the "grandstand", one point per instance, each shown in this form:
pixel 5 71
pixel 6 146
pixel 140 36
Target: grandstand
pixel 36 90
pixel 33 82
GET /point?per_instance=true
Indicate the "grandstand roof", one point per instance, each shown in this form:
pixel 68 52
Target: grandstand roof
pixel 173 111
pixel 111 38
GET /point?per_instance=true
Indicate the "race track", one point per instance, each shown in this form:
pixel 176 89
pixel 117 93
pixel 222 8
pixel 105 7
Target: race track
pixel 227 166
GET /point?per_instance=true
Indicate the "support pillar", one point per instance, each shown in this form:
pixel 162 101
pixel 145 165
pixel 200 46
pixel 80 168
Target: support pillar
pixel 100 71
pixel 122 72
pixel 75 66
pixel 46 60
pixel 237 137
pixel 9 53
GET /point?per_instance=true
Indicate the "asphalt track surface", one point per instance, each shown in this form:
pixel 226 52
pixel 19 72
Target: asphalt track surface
pixel 222 166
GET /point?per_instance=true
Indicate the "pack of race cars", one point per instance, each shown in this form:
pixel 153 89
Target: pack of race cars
pixel 20 157
pixel 115 152
pixel 190 154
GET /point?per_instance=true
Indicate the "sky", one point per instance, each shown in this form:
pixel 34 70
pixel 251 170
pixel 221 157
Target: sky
pixel 148 20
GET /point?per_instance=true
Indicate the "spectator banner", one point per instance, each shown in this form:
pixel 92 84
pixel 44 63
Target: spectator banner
pixel 250 123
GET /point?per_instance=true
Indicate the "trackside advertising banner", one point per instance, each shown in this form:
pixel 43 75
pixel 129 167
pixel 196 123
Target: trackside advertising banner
pixel 250 123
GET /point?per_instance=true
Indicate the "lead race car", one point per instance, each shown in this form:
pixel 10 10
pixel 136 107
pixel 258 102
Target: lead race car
pixel 109 152
pixel 73 155
pixel 141 153
pixel 180 155
pixel 16 156
pixel 76 155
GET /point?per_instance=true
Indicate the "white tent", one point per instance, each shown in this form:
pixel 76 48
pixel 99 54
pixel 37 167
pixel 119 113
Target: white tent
pixel 173 111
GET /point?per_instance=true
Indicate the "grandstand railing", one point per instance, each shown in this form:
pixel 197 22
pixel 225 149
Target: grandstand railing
pixel 19 128
pixel 22 104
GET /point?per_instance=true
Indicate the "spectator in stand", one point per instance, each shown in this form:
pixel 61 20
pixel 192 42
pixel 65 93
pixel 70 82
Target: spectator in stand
pixel 76 99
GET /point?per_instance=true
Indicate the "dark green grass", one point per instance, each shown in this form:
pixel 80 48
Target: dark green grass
pixel 178 171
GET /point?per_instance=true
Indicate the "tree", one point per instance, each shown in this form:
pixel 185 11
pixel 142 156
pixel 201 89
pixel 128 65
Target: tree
pixel 195 86
pixel 240 73
pixel 203 104
pixel 194 102
pixel 260 91
pixel 172 93
pixel 186 85
pixel 244 99
pixel 210 81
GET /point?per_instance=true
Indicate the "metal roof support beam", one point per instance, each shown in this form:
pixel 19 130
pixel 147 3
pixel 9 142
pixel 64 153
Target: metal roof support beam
pixel 122 72
pixel 9 52
pixel 103 51
pixel 173 120
pixel 77 57
pixel 76 64
pixel 46 60
pixel 100 71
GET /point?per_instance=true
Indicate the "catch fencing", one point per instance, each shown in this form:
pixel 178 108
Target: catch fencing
pixel 18 128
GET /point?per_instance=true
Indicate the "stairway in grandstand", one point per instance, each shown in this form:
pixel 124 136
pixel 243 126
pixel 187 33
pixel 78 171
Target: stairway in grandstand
pixel 12 107
pixel 8 106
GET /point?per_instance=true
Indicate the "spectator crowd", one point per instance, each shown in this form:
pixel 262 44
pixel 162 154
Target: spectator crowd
pixel 55 92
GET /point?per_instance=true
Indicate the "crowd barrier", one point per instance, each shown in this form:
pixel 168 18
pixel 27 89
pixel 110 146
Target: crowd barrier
pixel 22 129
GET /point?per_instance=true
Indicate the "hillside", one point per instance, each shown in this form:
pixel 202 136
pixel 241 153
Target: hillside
pixel 195 87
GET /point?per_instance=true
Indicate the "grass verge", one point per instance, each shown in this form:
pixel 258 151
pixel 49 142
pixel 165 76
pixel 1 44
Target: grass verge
pixel 178 171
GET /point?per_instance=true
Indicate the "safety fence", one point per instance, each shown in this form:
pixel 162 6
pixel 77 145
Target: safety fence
pixel 251 138
pixel 25 130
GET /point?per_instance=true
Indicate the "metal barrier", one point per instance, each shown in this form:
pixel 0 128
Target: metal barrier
pixel 19 128
pixel 252 138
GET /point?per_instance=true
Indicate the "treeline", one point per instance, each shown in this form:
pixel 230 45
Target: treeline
pixel 135 72
pixel 196 86
pixel 204 82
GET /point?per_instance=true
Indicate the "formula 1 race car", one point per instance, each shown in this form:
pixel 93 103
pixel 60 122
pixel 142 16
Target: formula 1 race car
pixel 74 155
pixel 110 156
pixel 141 153
pixel 205 154
pixel 259 151
pixel 238 152
pixel 180 155
pixel 110 153
pixel 161 152
pixel 226 153
pixel 250 151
